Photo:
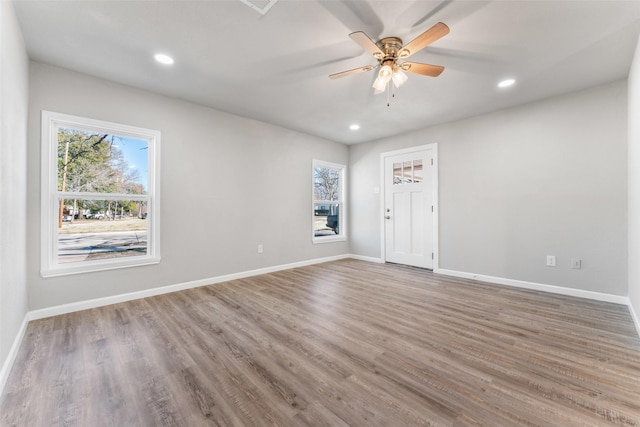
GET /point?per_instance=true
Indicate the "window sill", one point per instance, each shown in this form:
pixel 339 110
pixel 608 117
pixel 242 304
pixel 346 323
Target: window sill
pixel 94 266
pixel 328 239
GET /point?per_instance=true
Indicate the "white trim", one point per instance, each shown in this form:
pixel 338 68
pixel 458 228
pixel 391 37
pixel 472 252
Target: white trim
pixel 436 245
pixel 101 265
pixel 366 258
pixel 13 353
pixel 561 290
pixel 50 123
pixel 436 205
pixel 634 316
pixel 100 302
pixel 342 206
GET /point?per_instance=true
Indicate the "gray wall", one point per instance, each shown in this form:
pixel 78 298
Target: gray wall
pixel 14 78
pixel 634 185
pixel 227 185
pixel 548 178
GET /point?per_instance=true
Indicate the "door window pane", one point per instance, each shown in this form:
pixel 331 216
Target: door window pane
pixel 397 173
pixel 418 175
pixel 407 173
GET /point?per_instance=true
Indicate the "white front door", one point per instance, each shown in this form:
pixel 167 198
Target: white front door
pixel 409 208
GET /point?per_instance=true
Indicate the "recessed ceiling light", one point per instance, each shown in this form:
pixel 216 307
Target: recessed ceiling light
pixel 163 59
pixel 506 83
pixel 354 127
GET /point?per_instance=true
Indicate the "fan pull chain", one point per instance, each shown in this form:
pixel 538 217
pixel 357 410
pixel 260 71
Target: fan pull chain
pixel 390 94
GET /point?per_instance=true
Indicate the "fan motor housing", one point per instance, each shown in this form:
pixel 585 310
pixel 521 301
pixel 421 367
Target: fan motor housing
pixel 390 46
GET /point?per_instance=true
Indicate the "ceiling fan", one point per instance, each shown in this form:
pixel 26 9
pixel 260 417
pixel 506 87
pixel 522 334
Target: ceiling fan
pixel 389 50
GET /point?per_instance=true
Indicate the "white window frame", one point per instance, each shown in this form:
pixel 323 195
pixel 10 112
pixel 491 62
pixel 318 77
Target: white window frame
pixel 51 122
pixel 342 236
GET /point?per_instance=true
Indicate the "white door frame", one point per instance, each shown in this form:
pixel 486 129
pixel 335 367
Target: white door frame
pixel 383 246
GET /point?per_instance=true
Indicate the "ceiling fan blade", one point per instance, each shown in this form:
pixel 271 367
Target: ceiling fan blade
pixel 424 69
pixel 423 40
pixel 350 72
pixel 369 45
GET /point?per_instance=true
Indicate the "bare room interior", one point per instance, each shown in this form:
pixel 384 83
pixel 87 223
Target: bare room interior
pixel 288 212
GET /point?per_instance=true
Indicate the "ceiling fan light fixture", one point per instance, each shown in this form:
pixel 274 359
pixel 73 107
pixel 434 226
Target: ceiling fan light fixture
pixel 385 71
pixel 380 84
pixel 399 77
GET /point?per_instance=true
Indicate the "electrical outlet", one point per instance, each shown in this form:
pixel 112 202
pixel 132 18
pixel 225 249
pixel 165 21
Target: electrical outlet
pixel 576 263
pixel 260 249
pixel 551 260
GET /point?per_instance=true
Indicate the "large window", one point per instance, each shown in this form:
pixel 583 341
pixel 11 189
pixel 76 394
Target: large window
pixel 100 207
pixel 328 202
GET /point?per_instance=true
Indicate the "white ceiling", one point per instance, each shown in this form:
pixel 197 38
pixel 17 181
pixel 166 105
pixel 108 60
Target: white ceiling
pixel 275 67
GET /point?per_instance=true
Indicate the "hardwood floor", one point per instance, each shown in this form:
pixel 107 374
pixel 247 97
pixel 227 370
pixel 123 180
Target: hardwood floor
pixel 342 343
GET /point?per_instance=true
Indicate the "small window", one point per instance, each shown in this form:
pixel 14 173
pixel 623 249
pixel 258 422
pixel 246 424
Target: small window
pixel 408 172
pixel 328 202
pixel 99 195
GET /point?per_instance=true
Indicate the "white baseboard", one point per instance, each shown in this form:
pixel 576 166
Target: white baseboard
pixel 13 353
pixel 100 302
pixel 366 258
pixel 599 296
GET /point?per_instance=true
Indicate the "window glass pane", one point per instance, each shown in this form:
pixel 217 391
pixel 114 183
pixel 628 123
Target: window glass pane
pixel 407 174
pixel 326 219
pixel 417 171
pixel 90 230
pixel 101 163
pixel 397 173
pixel 326 184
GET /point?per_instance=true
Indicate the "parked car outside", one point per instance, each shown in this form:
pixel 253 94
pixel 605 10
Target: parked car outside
pixel 332 223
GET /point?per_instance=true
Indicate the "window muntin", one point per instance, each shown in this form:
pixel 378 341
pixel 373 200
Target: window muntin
pixel 99 195
pixel 328 202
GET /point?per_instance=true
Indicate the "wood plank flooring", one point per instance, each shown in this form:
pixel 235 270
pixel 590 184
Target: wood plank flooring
pixel 335 344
